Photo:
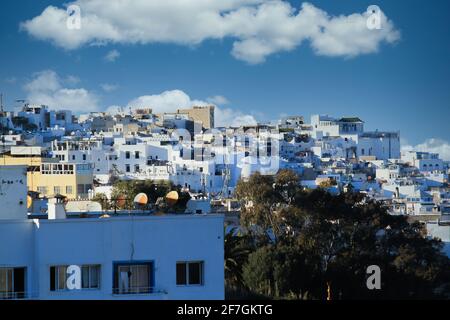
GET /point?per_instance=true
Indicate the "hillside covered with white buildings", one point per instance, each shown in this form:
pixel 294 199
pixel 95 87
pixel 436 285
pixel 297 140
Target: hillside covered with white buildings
pixel 81 157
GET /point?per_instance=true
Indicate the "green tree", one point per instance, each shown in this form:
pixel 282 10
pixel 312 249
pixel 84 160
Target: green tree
pixel 103 200
pixel 153 189
pixel 312 240
pixel 236 250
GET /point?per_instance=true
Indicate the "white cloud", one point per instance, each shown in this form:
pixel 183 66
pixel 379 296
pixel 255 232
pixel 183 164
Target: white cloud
pixel 112 55
pixel 225 117
pixel 218 100
pixel 170 101
pixel 46 87
pixel 259 28
pixel 72 80
pixel 432 145
pixel 167 101
pixel 108 87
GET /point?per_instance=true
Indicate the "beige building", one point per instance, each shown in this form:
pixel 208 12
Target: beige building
pixel 205 115
pixel 50 177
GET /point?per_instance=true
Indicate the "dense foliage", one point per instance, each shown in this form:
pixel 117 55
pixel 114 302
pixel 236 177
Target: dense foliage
pixel 297 243
pixel 128 189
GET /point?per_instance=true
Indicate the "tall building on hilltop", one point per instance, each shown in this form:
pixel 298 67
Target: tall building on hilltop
pixel 205 115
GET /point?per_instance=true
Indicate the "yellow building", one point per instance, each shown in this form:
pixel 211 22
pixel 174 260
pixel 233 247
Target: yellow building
pixel 203 114
pixel 50 177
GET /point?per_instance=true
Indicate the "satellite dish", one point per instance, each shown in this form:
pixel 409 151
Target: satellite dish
pixel 29 202
pixel 140 199
pixel 172 198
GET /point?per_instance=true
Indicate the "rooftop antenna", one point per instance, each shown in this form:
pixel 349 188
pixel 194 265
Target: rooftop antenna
pixel 23 101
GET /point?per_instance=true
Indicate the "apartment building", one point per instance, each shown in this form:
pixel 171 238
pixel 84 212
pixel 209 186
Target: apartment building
pixel 424 161
pixel 49 176
pixel 203 114
pixel 368 146
pixel 139 256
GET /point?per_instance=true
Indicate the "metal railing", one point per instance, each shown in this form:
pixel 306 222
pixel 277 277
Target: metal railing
pixel 137 290
pixel 13 295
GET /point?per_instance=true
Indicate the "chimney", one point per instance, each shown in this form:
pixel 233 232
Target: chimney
pixel 56 209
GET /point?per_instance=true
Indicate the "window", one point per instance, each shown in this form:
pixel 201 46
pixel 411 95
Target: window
pixel 12 283
pixel 46 169
pixel 42 190
pixel 69 189
pixel 73 157
pixel 58 278
pixel 190 273
pixel 136 168
pixel 127 168
pixel 127 155
pixel 136 154
pixel 57 190
pixel 90 277
pixel 132 278
pixel 84 157
pixel 83 188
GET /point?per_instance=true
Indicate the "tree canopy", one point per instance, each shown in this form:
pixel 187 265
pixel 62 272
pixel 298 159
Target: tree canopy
pixel 128 189
pixel 298 243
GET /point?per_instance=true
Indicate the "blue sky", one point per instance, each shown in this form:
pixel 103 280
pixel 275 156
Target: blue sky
pixel 403 86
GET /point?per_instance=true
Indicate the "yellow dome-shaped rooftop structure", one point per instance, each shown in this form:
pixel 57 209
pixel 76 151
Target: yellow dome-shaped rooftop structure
pixel 141 199
pixel 172 198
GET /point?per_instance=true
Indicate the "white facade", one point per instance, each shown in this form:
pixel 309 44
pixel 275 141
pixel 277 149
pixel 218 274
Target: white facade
pixel 13 192
pixel 424 161
pixel 156 242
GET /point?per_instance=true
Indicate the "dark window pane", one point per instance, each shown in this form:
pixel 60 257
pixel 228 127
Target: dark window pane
pixel 195 270
pixel 52 279
pixel 181 273
pixel 85 277
pixel 19 282
pixel 94 277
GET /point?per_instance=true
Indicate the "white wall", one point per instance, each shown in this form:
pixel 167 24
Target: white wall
pixel 13 192
pixel 161 239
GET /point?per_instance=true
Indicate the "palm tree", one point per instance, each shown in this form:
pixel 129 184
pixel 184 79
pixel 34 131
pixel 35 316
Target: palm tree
pixel 236 253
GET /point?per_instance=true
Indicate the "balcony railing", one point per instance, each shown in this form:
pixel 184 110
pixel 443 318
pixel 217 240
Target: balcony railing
pixel 137 290
pixel 13 295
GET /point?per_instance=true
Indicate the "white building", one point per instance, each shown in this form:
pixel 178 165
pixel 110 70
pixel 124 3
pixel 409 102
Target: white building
pixel 124 257
pixel 13 192
pixel 424 161
pixel 35 114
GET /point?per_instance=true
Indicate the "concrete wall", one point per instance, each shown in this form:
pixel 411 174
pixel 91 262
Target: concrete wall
pixel 161 239
pixel 13 192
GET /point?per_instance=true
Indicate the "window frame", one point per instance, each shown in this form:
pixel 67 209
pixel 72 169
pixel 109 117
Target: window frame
pixel 187 275
pixel 151 276
pixel 10 292
pixel 55 277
